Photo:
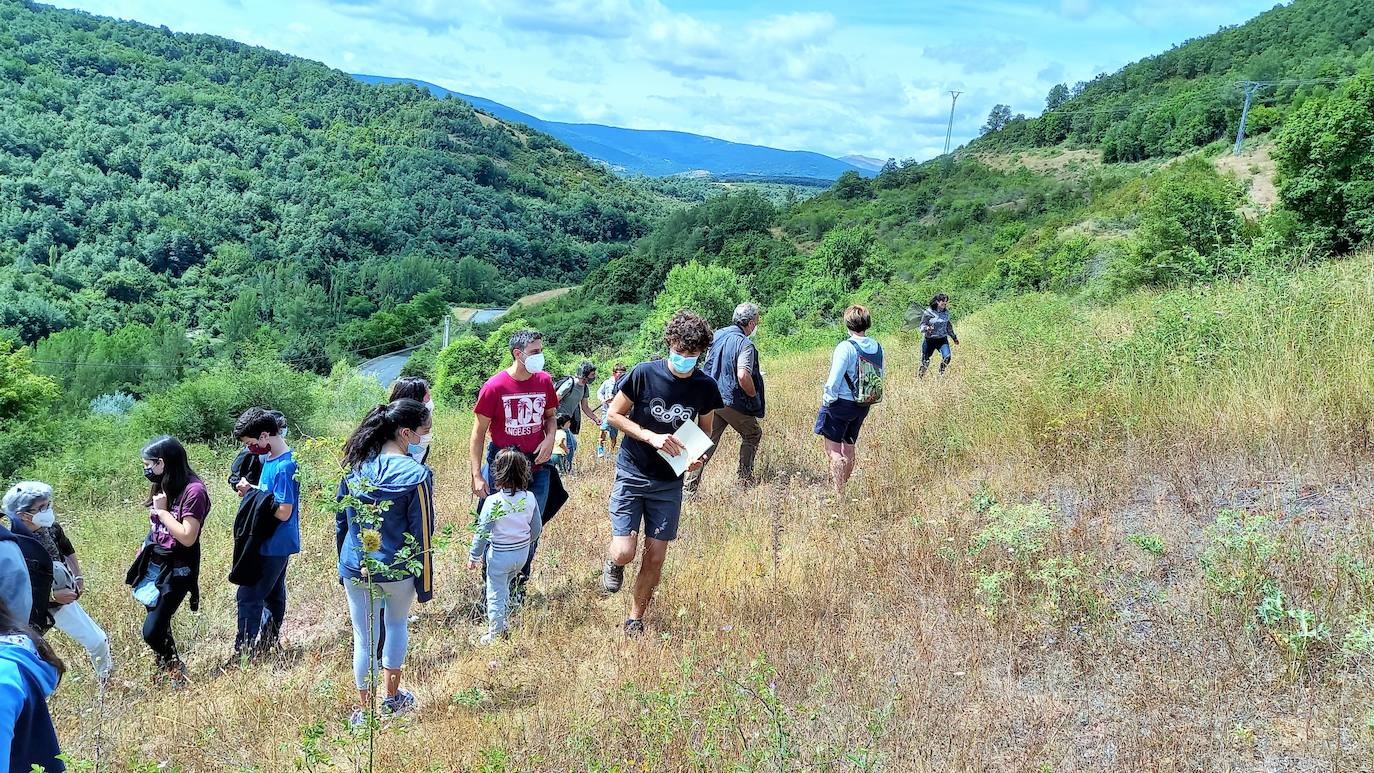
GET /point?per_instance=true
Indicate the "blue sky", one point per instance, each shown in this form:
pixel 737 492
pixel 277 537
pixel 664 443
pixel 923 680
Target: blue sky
pixel 838 77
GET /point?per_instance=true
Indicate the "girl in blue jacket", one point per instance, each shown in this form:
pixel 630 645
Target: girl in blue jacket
pixel 29 672
pixel 383 532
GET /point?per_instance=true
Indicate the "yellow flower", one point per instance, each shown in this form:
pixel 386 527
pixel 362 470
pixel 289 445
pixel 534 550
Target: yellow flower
pixel 372 540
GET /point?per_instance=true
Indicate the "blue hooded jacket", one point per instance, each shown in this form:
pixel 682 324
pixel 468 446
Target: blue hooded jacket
pixel 402 491
pixel 27 736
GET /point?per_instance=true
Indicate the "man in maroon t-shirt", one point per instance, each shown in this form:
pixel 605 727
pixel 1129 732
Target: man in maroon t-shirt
pixel 516 407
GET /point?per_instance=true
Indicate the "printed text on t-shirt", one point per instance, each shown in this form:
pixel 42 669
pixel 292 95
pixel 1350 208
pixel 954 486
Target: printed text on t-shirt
pixel 524 413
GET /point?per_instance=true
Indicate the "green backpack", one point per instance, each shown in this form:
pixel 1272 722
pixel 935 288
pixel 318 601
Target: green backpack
pixel 867 381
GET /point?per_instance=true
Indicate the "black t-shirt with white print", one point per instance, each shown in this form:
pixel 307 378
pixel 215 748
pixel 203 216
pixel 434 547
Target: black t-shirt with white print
pixel 662 403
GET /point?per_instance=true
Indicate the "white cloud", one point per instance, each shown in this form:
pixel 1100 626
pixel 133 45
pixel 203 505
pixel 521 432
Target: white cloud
pixel 850 78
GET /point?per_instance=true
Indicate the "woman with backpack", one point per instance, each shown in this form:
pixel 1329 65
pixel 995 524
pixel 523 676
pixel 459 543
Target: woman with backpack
pixel 855 384
pixel 937 331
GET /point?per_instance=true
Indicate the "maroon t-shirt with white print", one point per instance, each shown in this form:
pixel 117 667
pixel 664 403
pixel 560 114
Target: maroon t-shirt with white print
pixel 194 502
pixel 516 409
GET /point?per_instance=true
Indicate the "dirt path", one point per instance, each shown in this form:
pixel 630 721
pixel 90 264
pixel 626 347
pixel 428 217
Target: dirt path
pixel 1254 170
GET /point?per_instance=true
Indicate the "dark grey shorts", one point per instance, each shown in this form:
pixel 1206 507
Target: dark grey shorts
pixel 643 505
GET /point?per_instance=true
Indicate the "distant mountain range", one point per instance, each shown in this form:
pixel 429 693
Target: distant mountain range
pixel 662 153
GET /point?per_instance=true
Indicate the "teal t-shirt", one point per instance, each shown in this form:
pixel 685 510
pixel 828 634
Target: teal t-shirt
pixel 279 477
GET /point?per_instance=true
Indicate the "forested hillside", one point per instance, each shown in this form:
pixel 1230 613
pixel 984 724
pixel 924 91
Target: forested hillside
pixel 1162 203
pixel 1188 96
pixel 155 183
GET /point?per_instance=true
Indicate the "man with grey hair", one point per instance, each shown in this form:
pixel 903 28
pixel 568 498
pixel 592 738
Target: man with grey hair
pixel 733 362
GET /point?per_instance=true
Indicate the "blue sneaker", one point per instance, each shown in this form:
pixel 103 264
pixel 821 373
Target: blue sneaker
pixel 402 702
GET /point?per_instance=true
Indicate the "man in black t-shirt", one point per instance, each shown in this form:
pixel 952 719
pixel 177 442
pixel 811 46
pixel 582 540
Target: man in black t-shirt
pixel 655 399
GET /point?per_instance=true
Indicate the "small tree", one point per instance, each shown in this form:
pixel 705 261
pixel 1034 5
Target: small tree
pixel 711 291
pixel 997 119
pixel 1057 97
pixel 1326 161
pixel 460 370
pixel 851 186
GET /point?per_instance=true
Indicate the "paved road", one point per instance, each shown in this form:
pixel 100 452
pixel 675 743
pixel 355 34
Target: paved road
pixel 488 315
pixel 387 368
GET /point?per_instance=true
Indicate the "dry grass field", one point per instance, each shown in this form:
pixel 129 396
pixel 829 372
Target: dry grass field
pixel 1133 537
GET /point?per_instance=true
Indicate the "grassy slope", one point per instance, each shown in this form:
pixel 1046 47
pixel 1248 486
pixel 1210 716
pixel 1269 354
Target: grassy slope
pixel 1145 417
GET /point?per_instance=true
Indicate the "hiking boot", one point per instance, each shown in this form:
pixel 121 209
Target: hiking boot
pixel 601 452
pixel 612 577
pixel 358 719
pixel 176 672
pixel 634 628
pixel 403 702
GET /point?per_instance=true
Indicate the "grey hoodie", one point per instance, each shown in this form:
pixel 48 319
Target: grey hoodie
pixel 936 324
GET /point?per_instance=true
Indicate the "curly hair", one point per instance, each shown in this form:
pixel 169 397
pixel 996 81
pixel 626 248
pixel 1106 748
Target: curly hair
pixel 688 333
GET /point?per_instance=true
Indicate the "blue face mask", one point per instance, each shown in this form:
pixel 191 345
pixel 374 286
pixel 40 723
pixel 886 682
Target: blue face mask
pixel 682 364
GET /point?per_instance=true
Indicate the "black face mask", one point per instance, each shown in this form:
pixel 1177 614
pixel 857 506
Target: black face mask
pixel 152 477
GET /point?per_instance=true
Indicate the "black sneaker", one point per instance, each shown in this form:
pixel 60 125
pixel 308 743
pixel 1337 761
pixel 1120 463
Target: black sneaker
pixel 634 628
pixel 612 577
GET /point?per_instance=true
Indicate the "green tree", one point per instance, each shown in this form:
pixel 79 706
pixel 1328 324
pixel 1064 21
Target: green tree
pixel 850 186
pixel 1059 94
pixel 24 398
pixel 711 291
pixel 998 118
pixel 1326 164
pixel 460 369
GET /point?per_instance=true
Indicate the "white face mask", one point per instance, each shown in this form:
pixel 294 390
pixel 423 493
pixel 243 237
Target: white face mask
pixel 429 405
pixel 534 363
pixel 44 517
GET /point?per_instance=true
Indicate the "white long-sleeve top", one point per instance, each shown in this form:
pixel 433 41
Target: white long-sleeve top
pixel 509 520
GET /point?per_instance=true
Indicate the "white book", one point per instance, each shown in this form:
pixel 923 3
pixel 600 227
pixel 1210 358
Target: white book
pixel 695 445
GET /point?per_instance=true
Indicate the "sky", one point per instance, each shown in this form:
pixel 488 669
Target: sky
pixel 839 77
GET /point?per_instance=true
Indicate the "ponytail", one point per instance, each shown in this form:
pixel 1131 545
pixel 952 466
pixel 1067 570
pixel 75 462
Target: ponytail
pixel 381 424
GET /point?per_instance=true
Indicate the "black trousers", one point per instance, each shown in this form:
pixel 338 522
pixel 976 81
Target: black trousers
pixel 157 626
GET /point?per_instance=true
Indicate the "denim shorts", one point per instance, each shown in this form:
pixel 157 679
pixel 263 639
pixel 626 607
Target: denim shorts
pixel 840 421
pixel 640 504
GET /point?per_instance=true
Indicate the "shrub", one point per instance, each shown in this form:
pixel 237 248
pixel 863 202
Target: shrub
pixel 1325 163
pixel 205 406
pixel 24 398
pixel 117 404
pixel 460 369
pixel 711 291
